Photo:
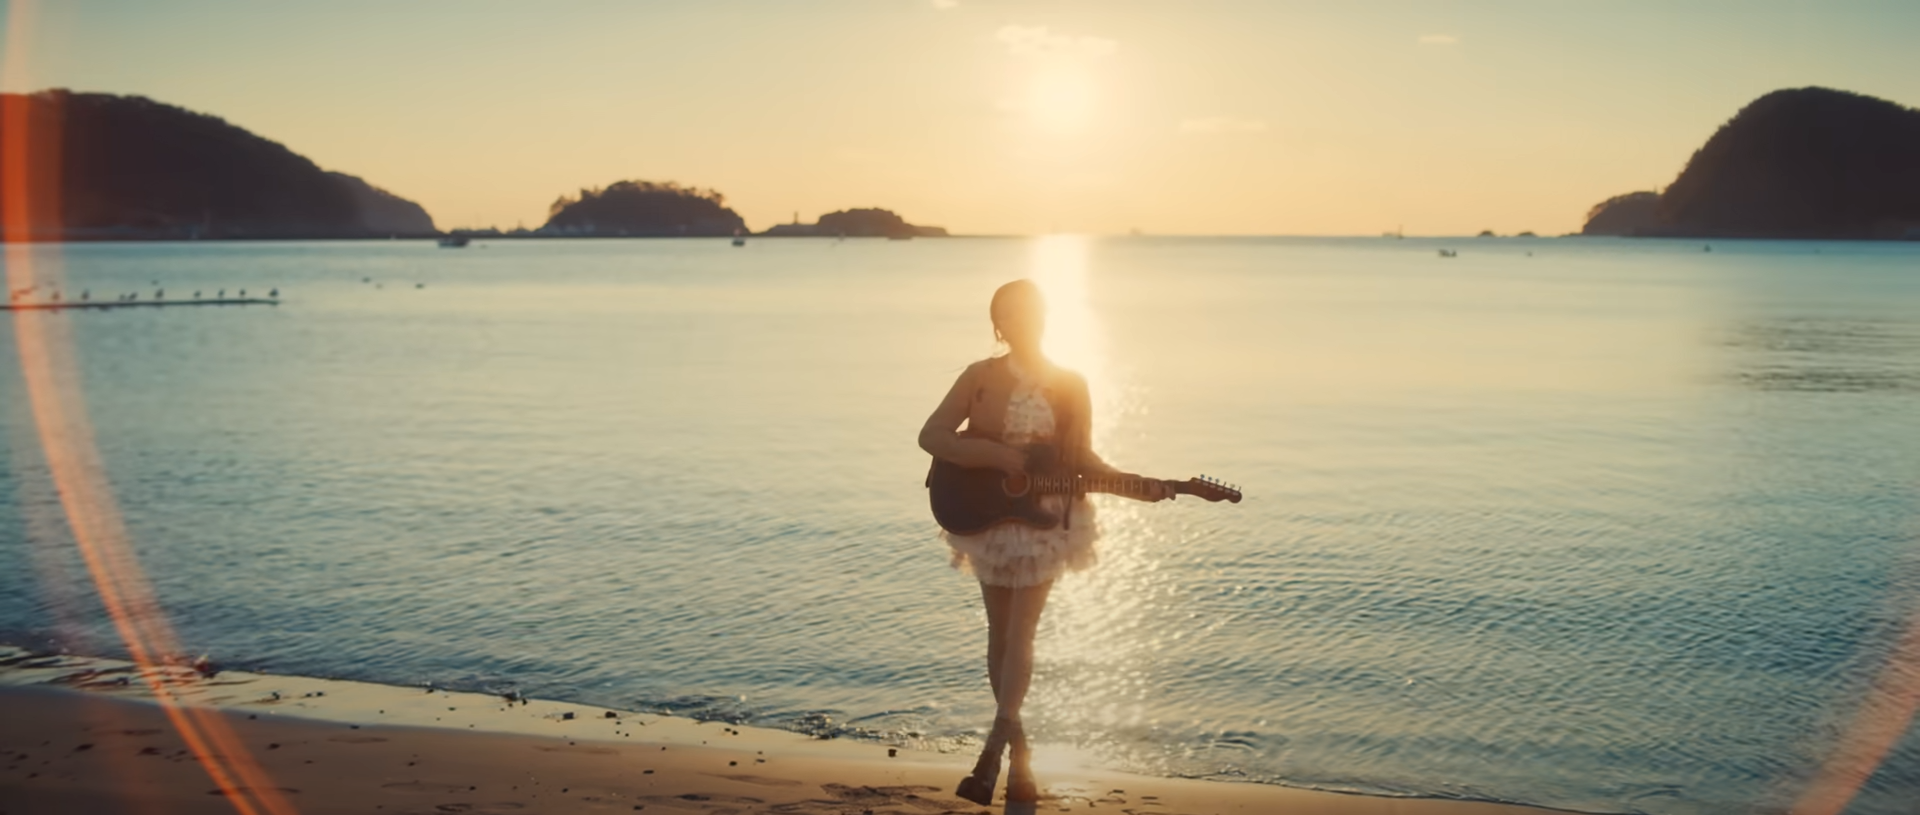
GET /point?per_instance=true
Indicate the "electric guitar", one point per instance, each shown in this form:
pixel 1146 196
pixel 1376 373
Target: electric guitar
pixel 969 500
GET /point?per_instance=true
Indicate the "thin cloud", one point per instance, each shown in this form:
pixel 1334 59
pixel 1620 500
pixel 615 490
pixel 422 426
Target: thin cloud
pixel 1438 39
pixel 943 5
pixel 1039 41
pixel 1222 124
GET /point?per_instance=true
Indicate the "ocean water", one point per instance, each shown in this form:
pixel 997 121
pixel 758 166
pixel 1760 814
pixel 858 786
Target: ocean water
pixel 1616 526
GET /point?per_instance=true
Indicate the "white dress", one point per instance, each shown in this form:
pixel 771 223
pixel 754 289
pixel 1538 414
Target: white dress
pixel 1014 554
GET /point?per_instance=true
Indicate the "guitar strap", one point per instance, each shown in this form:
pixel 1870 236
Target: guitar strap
pixel 1066 434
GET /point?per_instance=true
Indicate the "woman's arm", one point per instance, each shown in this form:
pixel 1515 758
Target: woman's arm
pixel 939 437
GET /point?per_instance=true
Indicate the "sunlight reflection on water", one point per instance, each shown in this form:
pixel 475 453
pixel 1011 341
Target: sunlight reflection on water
pixel 1094 661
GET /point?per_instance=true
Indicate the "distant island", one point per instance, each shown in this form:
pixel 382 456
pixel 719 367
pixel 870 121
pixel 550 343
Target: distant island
pixel 1803 163
pixel 642 209
pixel 857 223
pixel 667 209
pixel 130 168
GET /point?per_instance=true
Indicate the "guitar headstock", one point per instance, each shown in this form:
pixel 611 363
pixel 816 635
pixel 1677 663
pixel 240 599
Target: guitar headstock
pixel 1208 488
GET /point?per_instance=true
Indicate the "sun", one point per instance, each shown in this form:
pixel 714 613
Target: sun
pixel 1061 98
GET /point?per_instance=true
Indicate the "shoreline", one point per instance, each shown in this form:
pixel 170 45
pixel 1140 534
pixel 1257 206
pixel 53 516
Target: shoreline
pixel 349 746
pixel 430 237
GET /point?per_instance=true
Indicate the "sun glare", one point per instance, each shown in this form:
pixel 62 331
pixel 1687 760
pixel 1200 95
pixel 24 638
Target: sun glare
pixel 1073 333
pixel 1061 99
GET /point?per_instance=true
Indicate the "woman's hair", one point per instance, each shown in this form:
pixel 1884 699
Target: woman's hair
pixel 1017 294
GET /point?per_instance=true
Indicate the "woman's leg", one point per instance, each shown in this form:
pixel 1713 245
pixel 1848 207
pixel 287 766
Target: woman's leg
pixel 978 787
pixel 1020 621
pixel 1016 676
pixel 997 599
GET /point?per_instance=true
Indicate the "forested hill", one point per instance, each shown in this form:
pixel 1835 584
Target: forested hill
pixel 640 209
pixel 133 168
pixel 1800 163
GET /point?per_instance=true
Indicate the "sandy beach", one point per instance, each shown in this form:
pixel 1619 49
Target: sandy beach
pixel 84 736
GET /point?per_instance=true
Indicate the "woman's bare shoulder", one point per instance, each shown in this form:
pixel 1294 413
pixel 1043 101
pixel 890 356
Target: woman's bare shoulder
pixel 1070 377
pixel 978 368
pixel 972 375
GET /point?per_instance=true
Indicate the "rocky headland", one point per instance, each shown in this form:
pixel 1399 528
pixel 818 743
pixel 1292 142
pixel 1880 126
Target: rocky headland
pixel 1801 163
pixel 106 167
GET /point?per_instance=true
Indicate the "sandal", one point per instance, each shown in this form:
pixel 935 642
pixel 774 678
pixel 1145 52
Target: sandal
pixel 1021 788
pixel 978 787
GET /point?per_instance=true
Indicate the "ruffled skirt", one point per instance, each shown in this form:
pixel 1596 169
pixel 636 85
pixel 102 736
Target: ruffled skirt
pixel 1015 555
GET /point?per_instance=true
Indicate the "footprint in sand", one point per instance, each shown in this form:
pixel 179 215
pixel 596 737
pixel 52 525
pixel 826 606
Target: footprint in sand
pixel 713 804
pixel 284 790
pixel 437 787
pixel 592 751
pixel 759 779
pixel 903 799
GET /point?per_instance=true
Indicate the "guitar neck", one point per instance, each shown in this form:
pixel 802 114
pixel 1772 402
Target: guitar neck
pixel 1109 484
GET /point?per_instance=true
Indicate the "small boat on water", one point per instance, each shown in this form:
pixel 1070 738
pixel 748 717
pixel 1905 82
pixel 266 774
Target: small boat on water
pixel 739 239
pixel 453 241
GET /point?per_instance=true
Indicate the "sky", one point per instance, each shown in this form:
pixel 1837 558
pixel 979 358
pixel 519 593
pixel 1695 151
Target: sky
pixel 1101 117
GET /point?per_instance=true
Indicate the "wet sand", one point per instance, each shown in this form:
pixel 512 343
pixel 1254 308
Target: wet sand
pixel 80 738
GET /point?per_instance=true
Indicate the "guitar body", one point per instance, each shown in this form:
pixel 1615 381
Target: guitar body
pixel 971 500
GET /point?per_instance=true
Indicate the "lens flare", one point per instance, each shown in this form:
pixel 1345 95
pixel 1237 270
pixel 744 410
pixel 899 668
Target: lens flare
pixel 1878 724
pixel 29 208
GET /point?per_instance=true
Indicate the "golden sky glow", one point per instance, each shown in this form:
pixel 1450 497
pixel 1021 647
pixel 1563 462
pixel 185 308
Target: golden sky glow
pixel 1198 118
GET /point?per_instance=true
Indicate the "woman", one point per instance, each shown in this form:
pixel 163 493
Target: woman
pixel 1008 401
